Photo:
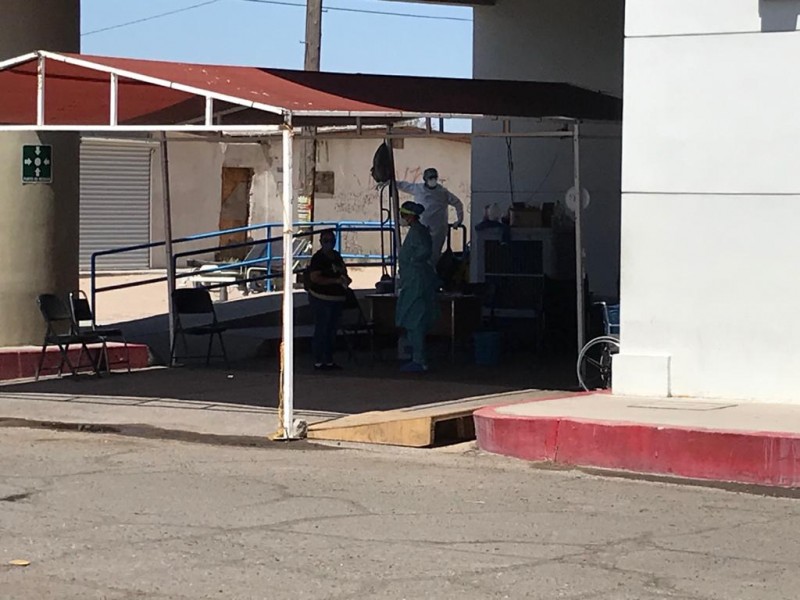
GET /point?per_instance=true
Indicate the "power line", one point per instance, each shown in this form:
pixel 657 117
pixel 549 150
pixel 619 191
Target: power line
pixel 276 3
pixel 363 11
pixel 150 18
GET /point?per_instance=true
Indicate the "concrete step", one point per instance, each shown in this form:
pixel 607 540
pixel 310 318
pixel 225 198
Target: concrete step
pixel 20 362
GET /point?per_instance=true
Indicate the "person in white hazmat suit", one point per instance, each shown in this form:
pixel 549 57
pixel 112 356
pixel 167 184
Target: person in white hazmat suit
pixel 436 199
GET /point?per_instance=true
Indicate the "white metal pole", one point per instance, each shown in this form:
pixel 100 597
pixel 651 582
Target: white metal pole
pixel 209 117
pixel 579 269
pixel 113 117
pixel 168 238
pixel 40 73
pixel 287 345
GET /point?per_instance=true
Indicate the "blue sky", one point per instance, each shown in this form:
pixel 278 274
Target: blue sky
pixel 249 32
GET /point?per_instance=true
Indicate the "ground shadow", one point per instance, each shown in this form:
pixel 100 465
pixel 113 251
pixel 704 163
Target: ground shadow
pixel 362 386
pixel 779 15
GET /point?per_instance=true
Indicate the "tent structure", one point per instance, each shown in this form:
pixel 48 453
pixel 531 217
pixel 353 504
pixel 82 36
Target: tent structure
pixel 49 91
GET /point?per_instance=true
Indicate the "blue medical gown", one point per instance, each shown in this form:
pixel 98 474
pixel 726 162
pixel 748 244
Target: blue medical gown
pixel 417 309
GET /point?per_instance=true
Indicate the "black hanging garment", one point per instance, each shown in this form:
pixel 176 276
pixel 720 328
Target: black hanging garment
pixel 382 165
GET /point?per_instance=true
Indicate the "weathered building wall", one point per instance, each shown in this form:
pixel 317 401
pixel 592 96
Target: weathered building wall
pixel 195 171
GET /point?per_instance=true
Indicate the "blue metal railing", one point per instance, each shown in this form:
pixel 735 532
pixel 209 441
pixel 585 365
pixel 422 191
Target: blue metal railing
pixel 338 227
pixel 264 262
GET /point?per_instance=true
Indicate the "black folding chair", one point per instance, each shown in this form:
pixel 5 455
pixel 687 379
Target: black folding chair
pixel 61 332
pixel 196 302
pixel 354 323
pixel 84 323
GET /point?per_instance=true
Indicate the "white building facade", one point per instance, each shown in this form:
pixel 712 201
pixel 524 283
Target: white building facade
pixel 710 200
pixel 703 187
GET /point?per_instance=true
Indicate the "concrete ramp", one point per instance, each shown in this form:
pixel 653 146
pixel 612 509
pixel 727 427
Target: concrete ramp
pixel 420 426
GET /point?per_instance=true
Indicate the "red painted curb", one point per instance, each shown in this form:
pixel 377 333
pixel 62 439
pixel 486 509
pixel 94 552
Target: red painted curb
pixel 20 363
pixel 762 458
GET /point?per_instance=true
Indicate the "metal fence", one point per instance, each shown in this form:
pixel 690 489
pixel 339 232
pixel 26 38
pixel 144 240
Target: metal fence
pixel 261 263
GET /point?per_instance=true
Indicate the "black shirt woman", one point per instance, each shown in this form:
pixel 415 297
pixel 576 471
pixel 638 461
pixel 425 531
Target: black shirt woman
pixel 326 284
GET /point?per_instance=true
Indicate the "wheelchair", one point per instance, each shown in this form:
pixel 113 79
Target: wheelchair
pixel 594 360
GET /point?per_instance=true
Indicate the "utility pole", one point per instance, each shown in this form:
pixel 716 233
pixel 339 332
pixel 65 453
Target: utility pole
pixel 313 43
pixel 313 34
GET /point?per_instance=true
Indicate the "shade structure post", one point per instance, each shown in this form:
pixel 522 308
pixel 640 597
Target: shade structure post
pixel 286 409
pixel 40 75
pixel 113 100
pixel 209 113
pixel 579 267
pixel 168 252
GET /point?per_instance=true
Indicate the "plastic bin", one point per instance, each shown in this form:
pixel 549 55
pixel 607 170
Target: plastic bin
pixel 487 347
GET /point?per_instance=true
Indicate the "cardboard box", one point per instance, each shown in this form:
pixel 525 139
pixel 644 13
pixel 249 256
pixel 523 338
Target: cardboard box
pixel 529 216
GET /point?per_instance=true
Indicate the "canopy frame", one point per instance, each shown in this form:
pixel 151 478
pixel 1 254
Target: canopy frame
pixel 217 105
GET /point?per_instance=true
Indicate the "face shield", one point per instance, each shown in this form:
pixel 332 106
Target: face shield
pixel 409 212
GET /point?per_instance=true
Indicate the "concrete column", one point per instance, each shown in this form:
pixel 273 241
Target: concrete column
pixel 39 223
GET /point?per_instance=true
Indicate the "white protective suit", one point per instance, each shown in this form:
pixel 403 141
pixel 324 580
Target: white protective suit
pixel 436 202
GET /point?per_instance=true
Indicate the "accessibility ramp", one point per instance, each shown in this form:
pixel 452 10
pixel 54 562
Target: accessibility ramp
pixel 419 426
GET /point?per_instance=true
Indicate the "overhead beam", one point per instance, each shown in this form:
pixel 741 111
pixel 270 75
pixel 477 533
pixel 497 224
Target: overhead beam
pixel 452 2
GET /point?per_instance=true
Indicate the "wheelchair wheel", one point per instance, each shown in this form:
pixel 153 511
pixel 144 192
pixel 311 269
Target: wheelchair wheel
pixel 594 363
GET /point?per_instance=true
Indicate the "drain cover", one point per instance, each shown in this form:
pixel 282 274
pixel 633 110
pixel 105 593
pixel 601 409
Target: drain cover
pixel 678 405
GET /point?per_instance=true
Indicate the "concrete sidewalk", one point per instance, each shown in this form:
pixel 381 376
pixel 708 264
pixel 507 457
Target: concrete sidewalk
pixel 157 417
pixel 239 405
pixel 700 439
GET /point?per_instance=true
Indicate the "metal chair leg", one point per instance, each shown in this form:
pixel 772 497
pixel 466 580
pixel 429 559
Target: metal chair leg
pixel 42 355
pixel 94 363
pixel 127 353
pixel 106 360
pixel 224 352
pixel 173 350
pixel 349 345
pixel 65 360
pixel 208 352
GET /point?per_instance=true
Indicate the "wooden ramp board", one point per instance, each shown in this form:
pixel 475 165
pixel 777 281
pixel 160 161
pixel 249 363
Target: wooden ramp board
pixel 419 426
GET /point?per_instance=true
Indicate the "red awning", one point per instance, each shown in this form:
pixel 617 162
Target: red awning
pixel 78 92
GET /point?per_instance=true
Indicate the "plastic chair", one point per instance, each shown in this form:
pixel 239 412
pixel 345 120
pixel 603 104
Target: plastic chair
pixel 196 301
pixel 61 331
pixel 82 313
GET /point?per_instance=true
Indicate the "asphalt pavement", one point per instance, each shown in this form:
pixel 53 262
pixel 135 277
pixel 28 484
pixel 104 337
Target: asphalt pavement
pixel 105 516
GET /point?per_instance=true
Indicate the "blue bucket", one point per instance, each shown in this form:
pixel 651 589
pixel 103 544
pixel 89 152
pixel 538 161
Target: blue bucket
pixel 487 348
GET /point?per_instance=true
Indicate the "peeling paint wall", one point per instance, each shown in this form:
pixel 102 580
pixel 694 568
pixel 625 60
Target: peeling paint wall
pixel 196 171
pixel 355 197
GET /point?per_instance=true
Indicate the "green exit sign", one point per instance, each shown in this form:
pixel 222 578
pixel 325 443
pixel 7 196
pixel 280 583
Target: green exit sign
pixel 37 164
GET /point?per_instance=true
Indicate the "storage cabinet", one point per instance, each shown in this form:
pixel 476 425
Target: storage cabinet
pixel 517 268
